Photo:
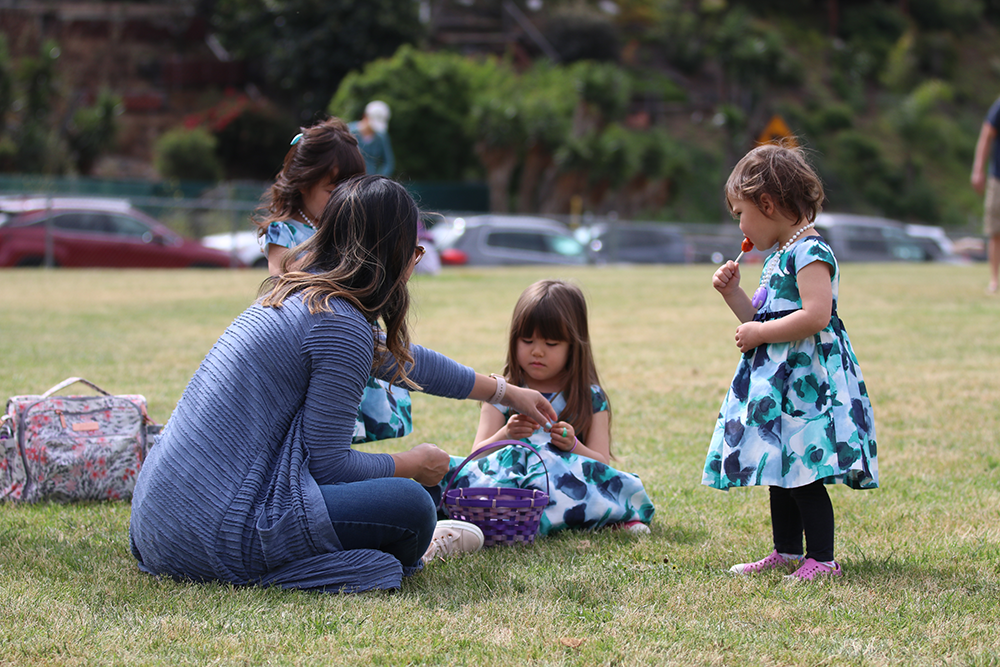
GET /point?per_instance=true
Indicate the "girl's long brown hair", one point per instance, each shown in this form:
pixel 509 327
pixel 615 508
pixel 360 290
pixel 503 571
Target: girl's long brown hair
pixel 362 253
pixel 557 310
pixel 326 149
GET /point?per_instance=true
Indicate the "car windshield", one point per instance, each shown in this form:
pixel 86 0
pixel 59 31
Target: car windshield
pixel 536 241
pixel 565 245
pixel 903 246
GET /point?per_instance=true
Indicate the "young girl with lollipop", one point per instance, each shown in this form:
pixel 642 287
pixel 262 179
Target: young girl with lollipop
pixel 320 158
pixel 549 351
pixel 797 416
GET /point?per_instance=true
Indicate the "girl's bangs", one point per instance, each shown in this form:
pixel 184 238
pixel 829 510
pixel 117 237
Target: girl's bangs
pixel 546 320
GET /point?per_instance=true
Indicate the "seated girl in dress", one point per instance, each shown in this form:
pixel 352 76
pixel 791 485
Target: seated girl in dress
pixel 549 351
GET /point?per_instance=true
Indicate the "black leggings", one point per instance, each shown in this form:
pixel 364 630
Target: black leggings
pixel 805 508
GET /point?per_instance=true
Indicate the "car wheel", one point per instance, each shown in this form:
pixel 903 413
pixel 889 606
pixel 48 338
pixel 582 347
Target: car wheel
pixel 260 263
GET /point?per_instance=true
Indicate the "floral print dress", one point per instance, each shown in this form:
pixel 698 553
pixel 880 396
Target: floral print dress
pixel 796 412
pixel 583 493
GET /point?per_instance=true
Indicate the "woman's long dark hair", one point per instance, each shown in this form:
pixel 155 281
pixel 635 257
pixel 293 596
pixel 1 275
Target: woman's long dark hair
pixel 362 252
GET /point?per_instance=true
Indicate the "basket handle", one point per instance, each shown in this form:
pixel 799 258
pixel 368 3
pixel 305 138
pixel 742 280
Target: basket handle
pixel 68 381
pixel 499 444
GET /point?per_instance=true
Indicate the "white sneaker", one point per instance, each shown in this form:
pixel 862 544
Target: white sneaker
pixel 454 538
pixel 634 527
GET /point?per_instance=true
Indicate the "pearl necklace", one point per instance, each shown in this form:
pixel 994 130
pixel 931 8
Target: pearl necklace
pixel 307 219
pixel 761 294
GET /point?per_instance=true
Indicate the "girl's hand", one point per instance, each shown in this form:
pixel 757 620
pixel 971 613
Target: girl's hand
pixel 727 278
pixel 531 404
pixel 520 427
pixel 748 336
pixel 563 436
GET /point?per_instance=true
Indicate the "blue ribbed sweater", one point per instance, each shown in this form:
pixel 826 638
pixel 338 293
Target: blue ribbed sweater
pixel 230 489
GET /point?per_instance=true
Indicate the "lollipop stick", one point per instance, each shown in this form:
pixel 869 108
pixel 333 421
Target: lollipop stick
pixel 739 256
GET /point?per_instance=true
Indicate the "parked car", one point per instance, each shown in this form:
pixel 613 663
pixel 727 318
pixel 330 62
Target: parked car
pixel 91 232
pixel 936 243
pixel 854 238
pixel 637 243
pixel 716 243
pixel 864 238
pixel 243 245
pixel 493 240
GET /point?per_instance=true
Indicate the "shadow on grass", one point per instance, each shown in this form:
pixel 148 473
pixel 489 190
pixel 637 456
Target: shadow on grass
pixel 680 534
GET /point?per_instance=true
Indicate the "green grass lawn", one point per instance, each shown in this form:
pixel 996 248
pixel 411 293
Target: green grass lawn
pixel 921 554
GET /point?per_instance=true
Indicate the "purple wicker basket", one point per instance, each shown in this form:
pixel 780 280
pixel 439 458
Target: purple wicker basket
pixel 505 515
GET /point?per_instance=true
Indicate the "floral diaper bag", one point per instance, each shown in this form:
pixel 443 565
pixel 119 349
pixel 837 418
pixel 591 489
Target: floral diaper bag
pixel 67 448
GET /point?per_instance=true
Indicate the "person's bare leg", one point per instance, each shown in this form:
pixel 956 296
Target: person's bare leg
pixel 993 251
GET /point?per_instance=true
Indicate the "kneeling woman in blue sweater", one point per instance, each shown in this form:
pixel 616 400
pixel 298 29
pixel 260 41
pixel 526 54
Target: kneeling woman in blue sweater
pixel 253 480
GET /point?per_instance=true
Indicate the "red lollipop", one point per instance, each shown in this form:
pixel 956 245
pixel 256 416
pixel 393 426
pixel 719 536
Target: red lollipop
pixel 746 246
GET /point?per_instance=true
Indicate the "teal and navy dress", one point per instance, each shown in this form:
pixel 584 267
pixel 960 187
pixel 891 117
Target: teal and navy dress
pixel 796 412
pixel 583 493
pixel 385 410
pixel 285 233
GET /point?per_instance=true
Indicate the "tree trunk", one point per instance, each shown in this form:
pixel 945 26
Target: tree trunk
pixel 555 201
pixel 535 163
pixel 499 164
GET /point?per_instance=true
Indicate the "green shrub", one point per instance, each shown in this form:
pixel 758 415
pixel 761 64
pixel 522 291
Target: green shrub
pixel 604 86
pixel 936 55
pixel 619 154
pixel 93 130
pixel 188 155
pixel 430 98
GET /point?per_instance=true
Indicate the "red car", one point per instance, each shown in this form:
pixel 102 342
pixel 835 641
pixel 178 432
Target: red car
pixel 87 232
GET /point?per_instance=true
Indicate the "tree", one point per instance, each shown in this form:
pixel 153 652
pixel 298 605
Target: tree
pixel 92 130
pixel 7 147
pixel 188 155
pixel 430 97
pixel 32 137
pixel 306 47
pixel 31 130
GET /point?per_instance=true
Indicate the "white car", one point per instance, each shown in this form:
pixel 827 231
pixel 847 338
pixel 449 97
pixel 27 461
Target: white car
pixel 243 245
pixel 936 243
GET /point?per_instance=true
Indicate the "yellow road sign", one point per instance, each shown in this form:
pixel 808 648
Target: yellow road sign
pixel 777 130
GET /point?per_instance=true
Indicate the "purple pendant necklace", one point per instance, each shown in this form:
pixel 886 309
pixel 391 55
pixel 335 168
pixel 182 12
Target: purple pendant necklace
pixel 760 296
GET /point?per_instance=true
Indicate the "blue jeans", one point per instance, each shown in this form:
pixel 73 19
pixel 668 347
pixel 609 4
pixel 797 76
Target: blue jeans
pixel 389 514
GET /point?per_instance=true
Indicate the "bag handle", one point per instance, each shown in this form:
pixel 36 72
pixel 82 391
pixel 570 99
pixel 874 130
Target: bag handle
pixel 68 381
pixel 482 451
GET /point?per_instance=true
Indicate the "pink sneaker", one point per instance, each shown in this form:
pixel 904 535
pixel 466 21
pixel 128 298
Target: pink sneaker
pixel 773 562
pixel 811 569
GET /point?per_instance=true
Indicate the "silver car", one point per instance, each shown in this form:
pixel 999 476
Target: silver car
pixel 496 240
pixel 865 238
